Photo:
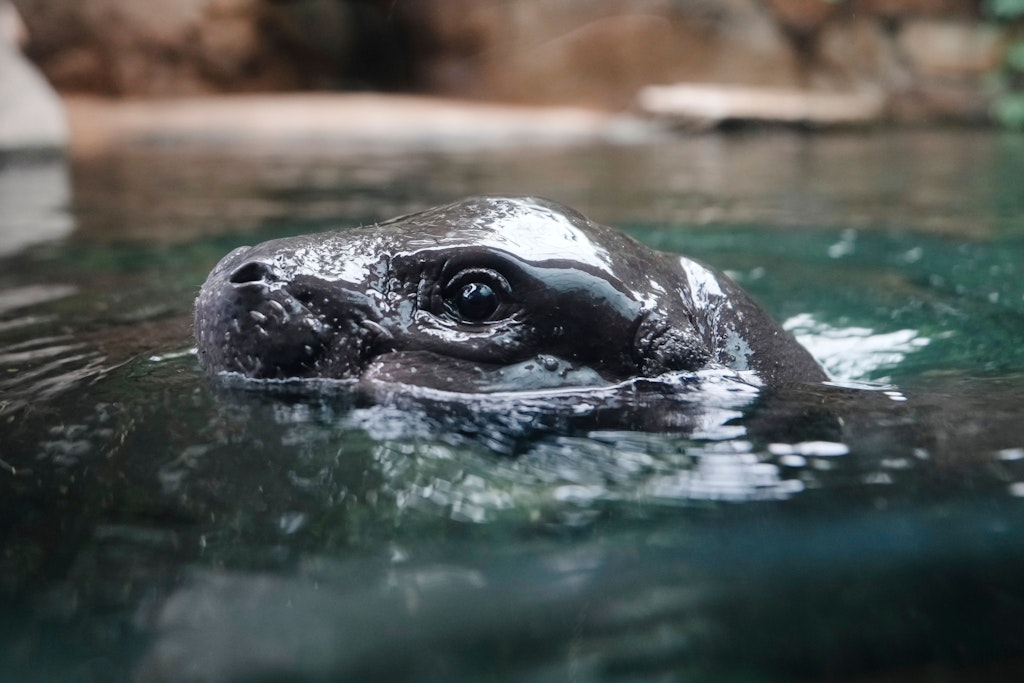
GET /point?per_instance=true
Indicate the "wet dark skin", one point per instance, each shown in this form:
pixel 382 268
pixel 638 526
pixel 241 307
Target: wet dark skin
pixel 485 294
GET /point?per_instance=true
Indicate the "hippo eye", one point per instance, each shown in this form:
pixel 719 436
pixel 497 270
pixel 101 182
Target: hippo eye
pixel 476 301
pixel 477 295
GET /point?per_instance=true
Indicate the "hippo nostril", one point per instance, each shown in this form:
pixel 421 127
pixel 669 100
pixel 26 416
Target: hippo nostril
pixel 251 273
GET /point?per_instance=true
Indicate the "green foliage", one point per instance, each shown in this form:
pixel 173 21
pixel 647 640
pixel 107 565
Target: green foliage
pixel 1014 59
pixel 1005 9
pixel 1009 110
pixel 1008 81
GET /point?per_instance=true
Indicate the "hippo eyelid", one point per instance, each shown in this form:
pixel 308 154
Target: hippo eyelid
pixel 489 276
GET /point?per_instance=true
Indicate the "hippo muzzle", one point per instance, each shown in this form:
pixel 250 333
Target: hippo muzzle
pixel 256 319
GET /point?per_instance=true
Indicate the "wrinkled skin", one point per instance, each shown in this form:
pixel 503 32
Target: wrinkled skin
pixel 482 295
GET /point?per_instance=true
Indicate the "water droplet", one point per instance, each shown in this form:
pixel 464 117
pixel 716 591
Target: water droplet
pixel 1011 454
pixel 550 363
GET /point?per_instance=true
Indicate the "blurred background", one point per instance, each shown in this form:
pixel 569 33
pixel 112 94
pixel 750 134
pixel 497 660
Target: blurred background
pixel 816 62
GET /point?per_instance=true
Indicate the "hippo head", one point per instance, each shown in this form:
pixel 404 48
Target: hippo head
pixel 485 294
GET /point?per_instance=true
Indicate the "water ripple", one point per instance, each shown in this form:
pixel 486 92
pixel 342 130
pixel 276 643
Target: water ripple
pixel 854 353
pixel 47 364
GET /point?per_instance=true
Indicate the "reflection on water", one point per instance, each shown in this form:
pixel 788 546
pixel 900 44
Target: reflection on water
pixel 34 193
pixel 158 526
pixel 854 353
pixel 702 602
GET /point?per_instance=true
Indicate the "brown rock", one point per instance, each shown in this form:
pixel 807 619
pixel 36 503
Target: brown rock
pixel 79 68
pixel 803 16
pixel 898 9
pixel 597 53
pixel 601 63
pixel 161 48
pixel 950 47
pixel 861 51
pixel 947 61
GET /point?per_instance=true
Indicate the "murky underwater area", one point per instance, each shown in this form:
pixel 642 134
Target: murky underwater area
pixel 158 525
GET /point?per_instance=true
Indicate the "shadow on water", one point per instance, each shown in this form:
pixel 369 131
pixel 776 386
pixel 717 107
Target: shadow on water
pixel 160 526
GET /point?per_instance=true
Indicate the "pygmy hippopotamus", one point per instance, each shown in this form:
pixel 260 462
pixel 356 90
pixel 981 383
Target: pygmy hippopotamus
pixel 482 295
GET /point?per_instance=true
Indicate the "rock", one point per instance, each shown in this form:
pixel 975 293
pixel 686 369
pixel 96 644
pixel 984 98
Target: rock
pixel 31 115
pixel 706 106
pixel 803 17
pixel 157 48
pixel 879 57
pixel 947 61
pixel 595 53
pixel 931 57
pixel 899 9
pixel 865 50
pixel 950 47
pixel 193 47
pixel 344 43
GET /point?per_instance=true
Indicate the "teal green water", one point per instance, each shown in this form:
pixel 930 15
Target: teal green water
pixel 156 525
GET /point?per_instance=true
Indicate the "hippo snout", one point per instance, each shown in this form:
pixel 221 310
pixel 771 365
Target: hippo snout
pixel 254 319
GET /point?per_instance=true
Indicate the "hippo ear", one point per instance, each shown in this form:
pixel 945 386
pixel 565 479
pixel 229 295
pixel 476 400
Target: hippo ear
pixel 661 347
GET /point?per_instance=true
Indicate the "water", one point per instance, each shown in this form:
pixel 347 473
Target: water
pixel 160 526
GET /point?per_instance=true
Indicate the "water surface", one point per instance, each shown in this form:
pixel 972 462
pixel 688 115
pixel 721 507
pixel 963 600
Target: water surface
pixel 157 525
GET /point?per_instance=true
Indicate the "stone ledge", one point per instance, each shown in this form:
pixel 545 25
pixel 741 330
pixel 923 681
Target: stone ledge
pixel 701 106
pixel 360 121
